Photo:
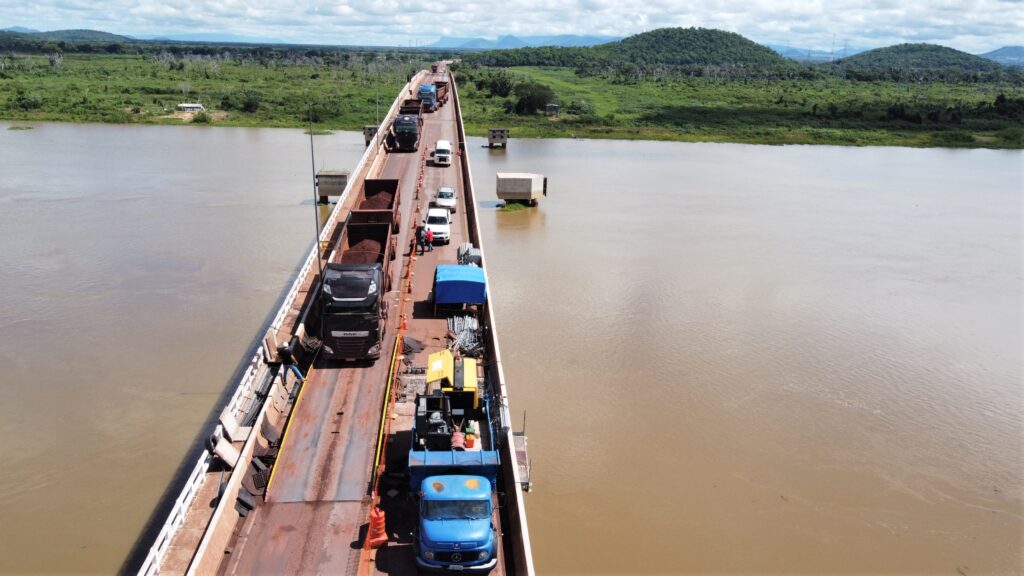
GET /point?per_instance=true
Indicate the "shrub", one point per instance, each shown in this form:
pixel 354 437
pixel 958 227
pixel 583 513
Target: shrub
pixel 27 101
pixel 251 100
pixel 201 118
pixel 580 108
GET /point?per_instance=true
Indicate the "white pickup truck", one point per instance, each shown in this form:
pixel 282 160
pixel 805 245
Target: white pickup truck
pixel 439 221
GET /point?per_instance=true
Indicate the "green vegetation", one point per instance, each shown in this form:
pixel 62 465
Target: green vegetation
pixel 919 56
pixel 829 110
pixel 708 85
pixel 667 51
pixel 919 62
pixel 237 89
pixel 673 84
pixel 512 207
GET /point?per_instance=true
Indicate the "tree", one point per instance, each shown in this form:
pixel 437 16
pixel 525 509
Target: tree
pixel 533 96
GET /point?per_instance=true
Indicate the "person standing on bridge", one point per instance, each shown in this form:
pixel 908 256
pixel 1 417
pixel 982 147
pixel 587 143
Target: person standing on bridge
pixel 430 240
pixel 284 354
pixel 421 238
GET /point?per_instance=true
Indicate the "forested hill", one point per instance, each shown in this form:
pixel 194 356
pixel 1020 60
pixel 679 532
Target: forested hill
pixel 692 46
pixel 81 36
pixel 662 47
pixel 911 57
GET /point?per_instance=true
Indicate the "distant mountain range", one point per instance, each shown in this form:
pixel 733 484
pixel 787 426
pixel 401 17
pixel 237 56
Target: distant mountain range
pixel 211 37
pixel 810 55
pixel 1009 55
pixel 508 42
pixel 70 35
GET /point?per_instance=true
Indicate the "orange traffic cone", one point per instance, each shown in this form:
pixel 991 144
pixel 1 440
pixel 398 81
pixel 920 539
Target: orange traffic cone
pixel 377 535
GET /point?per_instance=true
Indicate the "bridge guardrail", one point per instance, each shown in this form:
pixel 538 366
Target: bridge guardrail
pixel 176 517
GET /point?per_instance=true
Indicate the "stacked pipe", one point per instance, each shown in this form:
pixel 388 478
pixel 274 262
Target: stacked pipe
pixel 468 340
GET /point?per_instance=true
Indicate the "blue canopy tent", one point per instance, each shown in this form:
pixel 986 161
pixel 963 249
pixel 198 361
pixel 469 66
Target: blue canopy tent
pixel 454 284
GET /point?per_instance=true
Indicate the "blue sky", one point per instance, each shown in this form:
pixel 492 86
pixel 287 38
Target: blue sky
pixel 970 25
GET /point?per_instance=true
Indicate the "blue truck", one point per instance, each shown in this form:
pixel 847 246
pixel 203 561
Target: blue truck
pixel 427 94
pixel 453 468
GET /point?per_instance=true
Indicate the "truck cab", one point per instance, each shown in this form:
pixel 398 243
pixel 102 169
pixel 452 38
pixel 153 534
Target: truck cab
pixel 354 314
pixel 427 94
pixel 455 528
pixel 407 131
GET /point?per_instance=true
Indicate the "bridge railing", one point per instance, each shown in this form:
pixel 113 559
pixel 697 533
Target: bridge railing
pixel 522 552
pixel 245 388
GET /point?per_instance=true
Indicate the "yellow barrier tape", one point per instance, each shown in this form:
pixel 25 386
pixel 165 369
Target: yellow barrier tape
pixel 284 437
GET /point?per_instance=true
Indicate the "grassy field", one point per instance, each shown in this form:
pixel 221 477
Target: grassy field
pixel 146 89
pixel 830 111
pixel 248 91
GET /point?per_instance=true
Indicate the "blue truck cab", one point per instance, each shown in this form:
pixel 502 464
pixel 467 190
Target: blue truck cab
pixel 428 96
pixel 453 468
pixel 455 530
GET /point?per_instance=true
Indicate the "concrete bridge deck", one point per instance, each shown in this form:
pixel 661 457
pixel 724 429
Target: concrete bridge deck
pixel 312 516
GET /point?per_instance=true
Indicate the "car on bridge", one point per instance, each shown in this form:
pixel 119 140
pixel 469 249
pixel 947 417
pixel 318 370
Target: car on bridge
pixel 446 198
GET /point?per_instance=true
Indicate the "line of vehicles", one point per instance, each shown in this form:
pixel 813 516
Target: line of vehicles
pixel 408 124
pixel 453 460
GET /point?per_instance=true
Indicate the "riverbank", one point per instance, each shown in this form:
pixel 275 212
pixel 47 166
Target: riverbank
pixel 764 111
pixel 252 92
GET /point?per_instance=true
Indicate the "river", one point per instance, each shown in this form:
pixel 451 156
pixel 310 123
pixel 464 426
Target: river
pixel 732 358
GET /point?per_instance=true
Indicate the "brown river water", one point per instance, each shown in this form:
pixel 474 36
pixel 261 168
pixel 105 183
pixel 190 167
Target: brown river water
pixel 732 359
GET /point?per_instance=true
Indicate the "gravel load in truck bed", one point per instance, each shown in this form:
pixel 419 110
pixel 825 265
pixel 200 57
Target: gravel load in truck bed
pixel 363 252
pixel 379 201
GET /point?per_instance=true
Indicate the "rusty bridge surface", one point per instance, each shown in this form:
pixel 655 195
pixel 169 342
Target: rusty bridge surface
pixel 316 458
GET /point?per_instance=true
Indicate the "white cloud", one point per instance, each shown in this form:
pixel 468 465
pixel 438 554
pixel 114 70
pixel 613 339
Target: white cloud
pixel 970 25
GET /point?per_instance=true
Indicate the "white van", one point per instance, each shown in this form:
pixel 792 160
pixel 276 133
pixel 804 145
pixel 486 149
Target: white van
pixel 443 153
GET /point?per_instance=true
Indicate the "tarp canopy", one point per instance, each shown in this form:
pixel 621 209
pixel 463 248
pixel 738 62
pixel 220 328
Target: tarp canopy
pixel 454 284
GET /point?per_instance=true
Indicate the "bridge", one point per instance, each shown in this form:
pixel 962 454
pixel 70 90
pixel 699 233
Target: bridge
pixel 291 473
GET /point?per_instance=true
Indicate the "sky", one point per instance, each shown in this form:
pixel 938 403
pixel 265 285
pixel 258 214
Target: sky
pixel 970 25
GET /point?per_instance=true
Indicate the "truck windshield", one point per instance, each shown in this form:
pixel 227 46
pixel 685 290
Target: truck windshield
pixel 406 124
pixel 445 194
pixel 456 509
pixel 355 287
pixel 436 220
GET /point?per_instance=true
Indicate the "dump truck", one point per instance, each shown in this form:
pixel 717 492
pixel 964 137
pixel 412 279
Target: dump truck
pixel 427 94
pixel 356 278
pixel 442 92
pixel 453 469
pixel 406 128
pixel 521 187
pixel 379 202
